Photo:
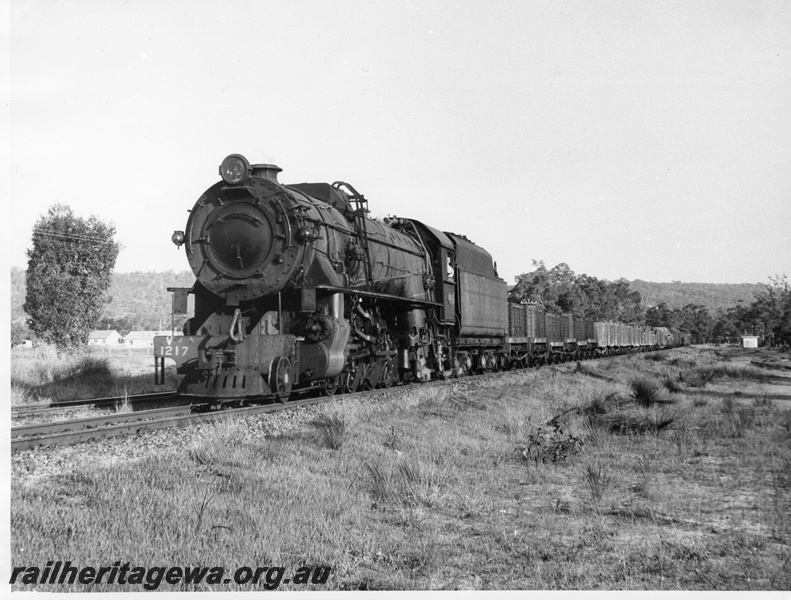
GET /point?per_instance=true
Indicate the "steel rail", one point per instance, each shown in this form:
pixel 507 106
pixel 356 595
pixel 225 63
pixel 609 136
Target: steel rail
pixel 110 402
pixel 22 411
pixel 114 400
pixel 42 429
pixel 179 417
pixel 94 428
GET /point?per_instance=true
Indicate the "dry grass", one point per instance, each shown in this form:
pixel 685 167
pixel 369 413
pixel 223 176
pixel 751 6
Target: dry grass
pixel 330 430
pixel 671 385
pixel 627 421
pixel 41 376
pixel 426 492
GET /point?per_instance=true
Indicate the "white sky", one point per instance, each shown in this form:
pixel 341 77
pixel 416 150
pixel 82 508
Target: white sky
pixel 646 140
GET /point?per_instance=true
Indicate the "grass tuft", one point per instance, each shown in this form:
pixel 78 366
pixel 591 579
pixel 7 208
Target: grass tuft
pixel 655 357
pixel 700 376
pixel 626 421
pixel 597 477
pixel 407 483
pixel 687 362
pixel 738 418
pixel 123 405
pixel 671 385
pixel 645 391
pixel 696 378
pixel 330 430
pixel 587 369
pixel 218 443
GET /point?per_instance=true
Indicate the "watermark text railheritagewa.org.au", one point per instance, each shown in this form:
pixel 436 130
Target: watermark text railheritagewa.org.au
pixel 64 573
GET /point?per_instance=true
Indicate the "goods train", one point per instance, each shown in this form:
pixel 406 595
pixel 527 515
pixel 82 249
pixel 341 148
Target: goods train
pixel 296 287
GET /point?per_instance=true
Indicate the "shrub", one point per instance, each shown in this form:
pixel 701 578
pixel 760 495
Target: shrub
pixel 549 443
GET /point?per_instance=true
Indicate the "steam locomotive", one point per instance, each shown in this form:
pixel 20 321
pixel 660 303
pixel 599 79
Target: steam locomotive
pixel 297 287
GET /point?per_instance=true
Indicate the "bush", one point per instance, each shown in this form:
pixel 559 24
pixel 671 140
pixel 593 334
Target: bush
pixel 549 443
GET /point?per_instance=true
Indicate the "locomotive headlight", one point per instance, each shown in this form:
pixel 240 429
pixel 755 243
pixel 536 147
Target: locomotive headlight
pixel 235 169
pixel 177 238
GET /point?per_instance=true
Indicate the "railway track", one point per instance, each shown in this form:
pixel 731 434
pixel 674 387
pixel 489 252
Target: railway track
pixel 79 430
pixel 25 437
pixel 62 433
pixel 113 402
pixel 74 431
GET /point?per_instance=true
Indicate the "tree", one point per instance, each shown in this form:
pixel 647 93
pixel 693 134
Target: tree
pixel 724 330
pixel 533 286
pixel 560 290
pixel 661 315
pixel 743 317
pixel 695 319
pixel 69 271
pixel 772 310
pixel 627 304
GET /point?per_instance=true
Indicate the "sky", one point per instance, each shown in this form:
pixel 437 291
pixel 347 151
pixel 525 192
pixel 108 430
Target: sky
pixel 627 139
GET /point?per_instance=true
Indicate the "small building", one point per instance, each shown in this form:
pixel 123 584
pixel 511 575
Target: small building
pixel 749 341
pixel 23 344
pixel 139 339
pixel 144 339
pixel 104 337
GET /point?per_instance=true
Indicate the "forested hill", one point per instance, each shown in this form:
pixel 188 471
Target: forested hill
pixel 141 300
pixel 711 295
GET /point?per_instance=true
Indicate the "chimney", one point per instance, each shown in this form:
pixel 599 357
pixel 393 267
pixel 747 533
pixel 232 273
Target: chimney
pixel 266 171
